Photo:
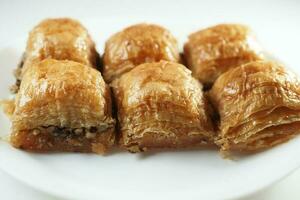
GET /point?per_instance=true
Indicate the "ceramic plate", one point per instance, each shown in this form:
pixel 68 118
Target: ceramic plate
pixel 196 174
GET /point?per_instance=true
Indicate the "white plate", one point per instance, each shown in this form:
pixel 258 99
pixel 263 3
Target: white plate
pixel 198 174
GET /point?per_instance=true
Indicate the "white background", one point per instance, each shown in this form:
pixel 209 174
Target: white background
pixel 272 19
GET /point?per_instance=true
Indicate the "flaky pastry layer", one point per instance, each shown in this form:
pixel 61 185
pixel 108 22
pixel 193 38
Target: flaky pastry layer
pixel 62 94
pixel 214 50
pixel 160 105
pixel 256 102
pixel 136 45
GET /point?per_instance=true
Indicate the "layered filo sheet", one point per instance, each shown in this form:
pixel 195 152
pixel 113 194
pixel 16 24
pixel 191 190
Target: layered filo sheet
pixel 214 50
pixel 60 39
pixel 160 105
pixel 62 106
pixel 135 45
pixel 259 106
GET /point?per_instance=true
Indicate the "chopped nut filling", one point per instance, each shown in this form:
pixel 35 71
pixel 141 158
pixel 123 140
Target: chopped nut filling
pixel 89 133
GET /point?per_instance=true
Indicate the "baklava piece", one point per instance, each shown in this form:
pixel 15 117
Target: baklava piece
pixel 160 105
pixel 135 45
pixel 60 39
pixel 259 106
pixel 213 51
pixel 62 106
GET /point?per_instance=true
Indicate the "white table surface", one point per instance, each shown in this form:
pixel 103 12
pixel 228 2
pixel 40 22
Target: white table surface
pixel 11 189
pixel 16 17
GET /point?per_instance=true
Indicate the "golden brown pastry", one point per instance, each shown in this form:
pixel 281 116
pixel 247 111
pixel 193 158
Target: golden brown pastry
pixel 213 51
pixel 135 45
pixel 62 106
pixel 160 105
pixel 60 39
pixel 259 106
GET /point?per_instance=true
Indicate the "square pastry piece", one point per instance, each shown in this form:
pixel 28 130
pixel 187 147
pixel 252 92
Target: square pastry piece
pixel 62 106
pixel 60 39
pixel 160 105
pixel 213 51
pixel 259 106
pixel 136 45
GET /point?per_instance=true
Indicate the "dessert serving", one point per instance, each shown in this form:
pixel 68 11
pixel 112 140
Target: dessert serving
pixel 136 45
pixel 259 106
pixel 62 102
pixel 160 105
pixel 61 39
pixel 214 50
pixel 62 106
pixel 229 96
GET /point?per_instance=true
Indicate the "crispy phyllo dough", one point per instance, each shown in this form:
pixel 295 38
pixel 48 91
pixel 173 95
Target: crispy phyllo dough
pixel 60 39
pixel 160 105
pixel 135 45
pixel 259 106
pixel 213 51
pixel 62 106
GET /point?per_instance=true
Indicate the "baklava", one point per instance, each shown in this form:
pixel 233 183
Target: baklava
pixel 213 51
pixel 62 106
pixel 60 39
pixel 259 106
pixel 135 45
pixel 160 105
